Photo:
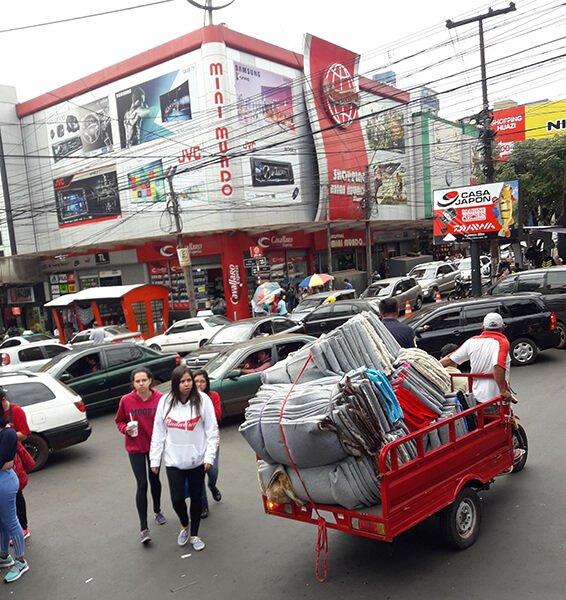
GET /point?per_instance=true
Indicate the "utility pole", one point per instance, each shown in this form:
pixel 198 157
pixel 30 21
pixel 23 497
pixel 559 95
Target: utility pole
pixel 183 253
pixel 367 215
pixel 487 134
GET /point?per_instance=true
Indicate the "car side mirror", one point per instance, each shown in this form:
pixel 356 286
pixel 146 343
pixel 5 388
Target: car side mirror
pixel 65 377
pixel 233 374
pixel 423 328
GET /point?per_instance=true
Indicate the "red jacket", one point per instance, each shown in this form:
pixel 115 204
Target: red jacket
pixel 144 413
pixel 215 397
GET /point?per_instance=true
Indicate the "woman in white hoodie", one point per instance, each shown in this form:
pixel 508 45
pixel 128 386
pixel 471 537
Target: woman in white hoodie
pixel 185 435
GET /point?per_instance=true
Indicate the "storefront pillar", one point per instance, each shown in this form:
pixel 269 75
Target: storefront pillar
pixel 234 274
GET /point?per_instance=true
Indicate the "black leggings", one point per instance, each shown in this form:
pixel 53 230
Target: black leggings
pixel 21 509
pixel 177 479
pixel 142 472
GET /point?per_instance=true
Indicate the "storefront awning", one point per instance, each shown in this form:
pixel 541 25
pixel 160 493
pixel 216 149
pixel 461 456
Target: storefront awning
pixel 98 293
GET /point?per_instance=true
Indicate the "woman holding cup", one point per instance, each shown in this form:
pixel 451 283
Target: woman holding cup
pixel 134 419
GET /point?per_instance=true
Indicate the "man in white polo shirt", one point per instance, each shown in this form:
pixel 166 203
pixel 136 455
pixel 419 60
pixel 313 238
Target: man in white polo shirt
pixel 488 354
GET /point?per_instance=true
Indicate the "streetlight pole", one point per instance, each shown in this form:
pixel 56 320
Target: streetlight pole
pixel 486 133
pixel 183 253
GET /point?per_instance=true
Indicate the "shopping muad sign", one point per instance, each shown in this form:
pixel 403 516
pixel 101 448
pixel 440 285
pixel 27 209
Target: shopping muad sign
pixel 489 210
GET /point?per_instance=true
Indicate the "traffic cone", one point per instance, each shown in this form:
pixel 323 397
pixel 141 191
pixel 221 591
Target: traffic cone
pixel 437 297
pixel 408 311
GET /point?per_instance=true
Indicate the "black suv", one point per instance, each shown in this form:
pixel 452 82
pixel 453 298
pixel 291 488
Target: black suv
pixel 550 282
pixel 530 325
pixel 327 317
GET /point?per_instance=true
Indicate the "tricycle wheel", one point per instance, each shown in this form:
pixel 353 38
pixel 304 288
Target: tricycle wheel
pixel 460 522
pixel 520 442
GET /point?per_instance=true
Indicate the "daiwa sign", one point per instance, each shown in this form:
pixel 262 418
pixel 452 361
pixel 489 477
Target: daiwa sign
pixel 482 211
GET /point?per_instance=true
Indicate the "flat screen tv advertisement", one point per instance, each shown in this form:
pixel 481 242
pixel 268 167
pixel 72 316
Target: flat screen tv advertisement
pixel 87 197
pixel 146 184
pixel 147 110
pixel 264 96
pixel 489 210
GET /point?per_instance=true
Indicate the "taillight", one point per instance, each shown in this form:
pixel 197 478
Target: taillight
pixel 5 359
pixel 81 406
pixel 177 360
pixel 552 321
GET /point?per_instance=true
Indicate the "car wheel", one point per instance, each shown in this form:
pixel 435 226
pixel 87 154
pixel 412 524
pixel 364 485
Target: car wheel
pixel 561 328
pixel 38 449
pixel 418 303
pixel 523 351
pixel 155 347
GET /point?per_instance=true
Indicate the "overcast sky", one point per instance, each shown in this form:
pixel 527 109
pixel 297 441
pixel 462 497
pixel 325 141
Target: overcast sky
pixel 385 34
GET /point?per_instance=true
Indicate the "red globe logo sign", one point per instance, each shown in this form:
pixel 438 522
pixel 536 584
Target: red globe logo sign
pixel 341 98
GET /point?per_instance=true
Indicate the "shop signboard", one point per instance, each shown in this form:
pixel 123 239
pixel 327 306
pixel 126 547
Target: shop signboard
pixel 255 262
pixel 489 210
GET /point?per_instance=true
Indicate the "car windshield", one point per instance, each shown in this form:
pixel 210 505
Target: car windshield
pixel 232 334
pixel 216 366
pixel 120 330
pixel 379 290
pixel 424 273
pixel 37 337
pixel 308 304
pixel 216 320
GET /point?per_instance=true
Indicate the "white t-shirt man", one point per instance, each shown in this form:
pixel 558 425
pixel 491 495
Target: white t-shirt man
pixel 486 351
pixel 97 335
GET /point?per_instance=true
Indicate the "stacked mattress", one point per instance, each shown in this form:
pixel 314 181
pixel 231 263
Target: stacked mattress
pixel 318 436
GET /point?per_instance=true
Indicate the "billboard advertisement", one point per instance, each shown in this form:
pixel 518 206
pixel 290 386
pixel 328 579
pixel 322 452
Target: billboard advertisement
pixel 389 183
pixel 80 130
pixel 146 184
pixel 489 210
pixel 146 111
pixel 385 130
pixel 333 101
pixel 263 97
pixel 87 197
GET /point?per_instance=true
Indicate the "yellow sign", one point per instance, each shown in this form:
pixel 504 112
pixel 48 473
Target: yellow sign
pixel 545 119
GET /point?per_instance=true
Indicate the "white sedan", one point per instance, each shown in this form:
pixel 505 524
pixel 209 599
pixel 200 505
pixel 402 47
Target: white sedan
pixel 188 334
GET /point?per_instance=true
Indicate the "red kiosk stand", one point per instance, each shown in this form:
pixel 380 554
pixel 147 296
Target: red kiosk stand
pixel 141 307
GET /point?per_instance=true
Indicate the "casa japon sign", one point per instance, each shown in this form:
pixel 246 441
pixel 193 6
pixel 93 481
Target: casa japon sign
pixel 489 210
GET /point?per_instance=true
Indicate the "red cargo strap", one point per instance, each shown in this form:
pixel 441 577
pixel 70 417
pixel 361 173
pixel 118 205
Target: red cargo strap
pixel 321 546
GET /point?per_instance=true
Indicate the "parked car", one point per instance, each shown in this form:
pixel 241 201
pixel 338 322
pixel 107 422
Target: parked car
pixel 30 356
pixel 18 340
pixel 400 288
pixel 309 303
pixel 327 317
pixel 550 282
pixel 465 267
pixel 435 277
pixel 240 331
pixel 236 389
pixel 112 335
pixel 187 334
pixel 55 413
pixel 101 374
pixel 530 325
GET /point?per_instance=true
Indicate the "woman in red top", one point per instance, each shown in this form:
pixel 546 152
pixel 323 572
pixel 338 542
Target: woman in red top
pixel 134 419
pixel 203 384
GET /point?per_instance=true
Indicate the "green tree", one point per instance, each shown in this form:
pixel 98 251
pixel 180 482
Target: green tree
pixel 540 167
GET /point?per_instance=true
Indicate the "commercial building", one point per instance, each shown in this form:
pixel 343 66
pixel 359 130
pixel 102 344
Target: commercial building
pixel 272 149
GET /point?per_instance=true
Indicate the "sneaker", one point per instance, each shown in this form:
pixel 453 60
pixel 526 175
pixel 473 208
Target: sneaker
pixel 26 534
pixel 160 518
pixel 197 543
pixel 183 537
pixel 216 494
pixel 16 571
pixel 144 536
pixel 204 513
pixel 6 562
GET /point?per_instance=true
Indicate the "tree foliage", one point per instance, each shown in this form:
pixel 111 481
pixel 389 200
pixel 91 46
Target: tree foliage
pixel 540 167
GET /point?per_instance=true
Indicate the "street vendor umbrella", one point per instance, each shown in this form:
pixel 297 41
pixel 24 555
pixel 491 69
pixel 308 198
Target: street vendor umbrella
pixel 315 280
pixel 266 292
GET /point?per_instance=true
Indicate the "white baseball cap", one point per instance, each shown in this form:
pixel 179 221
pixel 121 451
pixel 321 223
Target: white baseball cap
pixel 493 321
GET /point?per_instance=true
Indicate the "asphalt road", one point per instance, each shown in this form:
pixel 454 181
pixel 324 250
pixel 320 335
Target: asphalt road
pixel 84 541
